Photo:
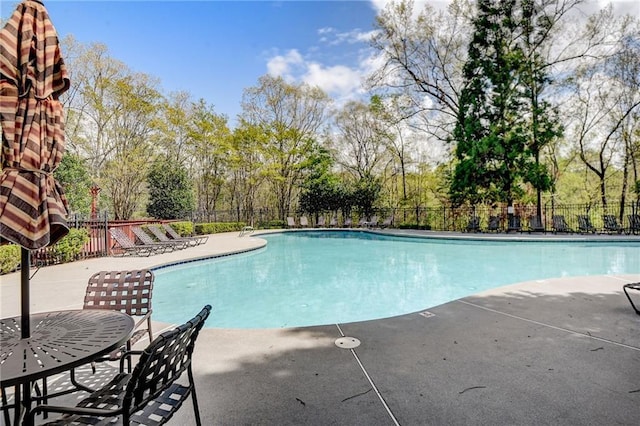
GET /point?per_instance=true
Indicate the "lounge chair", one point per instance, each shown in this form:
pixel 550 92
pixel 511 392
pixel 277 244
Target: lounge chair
pixel 151 393
pixel 494 224
pixel 130 248
pixel 473 225
pixel 162 236
pixel 387 222
pixel 200 239
pixel 321 222
pixel 291 222
pixel 611 224
pixel 584 224
pixel 347 223
pixel 634 224
pixel 560 224
pixel 304 222
pixel 334 221
pixel 146 239
pixel 635 287
pixel 535 224
pixel 372 223
pixel 514 224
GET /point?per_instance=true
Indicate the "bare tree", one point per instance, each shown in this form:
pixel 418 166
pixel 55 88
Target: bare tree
pixel 362 139
pixel 606 100
pixel 209 149
pixel 290 115
pixel 423 54
pixel 124 177
pixel 246 178
pixel 172 127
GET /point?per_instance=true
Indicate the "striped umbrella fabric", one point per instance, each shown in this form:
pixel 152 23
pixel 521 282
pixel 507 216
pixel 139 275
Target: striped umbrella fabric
pixel 33 75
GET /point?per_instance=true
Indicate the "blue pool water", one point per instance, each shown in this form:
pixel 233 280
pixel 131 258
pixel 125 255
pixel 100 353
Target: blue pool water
pixel 329 277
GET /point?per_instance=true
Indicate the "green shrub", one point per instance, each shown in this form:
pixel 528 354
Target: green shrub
pixel 9 258
pixel 70 246
pixel 183 228
pixel 272 224
pixel 215 228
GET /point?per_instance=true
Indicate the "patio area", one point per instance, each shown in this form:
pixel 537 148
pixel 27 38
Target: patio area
pixel 559 351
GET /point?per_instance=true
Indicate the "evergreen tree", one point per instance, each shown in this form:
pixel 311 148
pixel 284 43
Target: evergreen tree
pixel 170 192
pixel 495 150
pixel 74 177
pixel 544 124
pixel 321 188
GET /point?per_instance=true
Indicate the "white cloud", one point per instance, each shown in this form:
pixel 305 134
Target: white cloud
pixel 337 80
pixel 283 66
pixel 332 37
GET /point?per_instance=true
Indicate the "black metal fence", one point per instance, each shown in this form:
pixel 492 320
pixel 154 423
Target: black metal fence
pixel 443 218
pixel 448 218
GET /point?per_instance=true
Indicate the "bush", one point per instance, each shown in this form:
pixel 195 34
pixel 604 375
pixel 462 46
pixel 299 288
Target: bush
pixel 215 228
pixel 70 246
pixel 272 224
pixel 9 258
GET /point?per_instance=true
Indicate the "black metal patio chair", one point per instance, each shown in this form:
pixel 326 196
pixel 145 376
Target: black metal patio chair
pixel 150 394
pixel 584 224
pixel 514 224
pixel 634 224
pixel 494 224
pixel 535 224
pixel 473 225
pixel 129 292
pixel 560 224
pixel 611 224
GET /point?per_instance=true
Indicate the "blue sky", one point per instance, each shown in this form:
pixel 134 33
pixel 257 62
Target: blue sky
pixel 216 49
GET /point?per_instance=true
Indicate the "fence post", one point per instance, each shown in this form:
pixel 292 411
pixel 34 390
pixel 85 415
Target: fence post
pixel 106 235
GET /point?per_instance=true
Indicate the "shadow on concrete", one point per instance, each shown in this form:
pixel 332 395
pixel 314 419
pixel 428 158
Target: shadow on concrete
pixel 521 357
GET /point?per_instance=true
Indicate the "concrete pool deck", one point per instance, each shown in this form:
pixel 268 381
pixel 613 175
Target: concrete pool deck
pixel 557 351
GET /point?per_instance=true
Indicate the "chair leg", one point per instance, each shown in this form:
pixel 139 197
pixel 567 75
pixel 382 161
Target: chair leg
pixel 78 385
pixel 194 398
pixel 633 286
pixel 5 407
pixel 149 329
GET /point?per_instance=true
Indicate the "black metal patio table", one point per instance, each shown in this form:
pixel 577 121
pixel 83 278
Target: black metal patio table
pixel 60 341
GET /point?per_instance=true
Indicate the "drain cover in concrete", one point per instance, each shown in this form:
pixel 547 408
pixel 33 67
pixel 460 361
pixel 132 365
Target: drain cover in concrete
pixel 347 342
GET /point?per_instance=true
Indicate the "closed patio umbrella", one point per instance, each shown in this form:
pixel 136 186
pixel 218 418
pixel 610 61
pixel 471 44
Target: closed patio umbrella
pixel 32 76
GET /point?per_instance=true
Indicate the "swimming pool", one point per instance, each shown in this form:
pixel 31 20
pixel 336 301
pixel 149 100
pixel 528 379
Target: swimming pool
pixel 329 277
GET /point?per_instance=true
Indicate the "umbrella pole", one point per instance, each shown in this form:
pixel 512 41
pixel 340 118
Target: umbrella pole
pixel 25 263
